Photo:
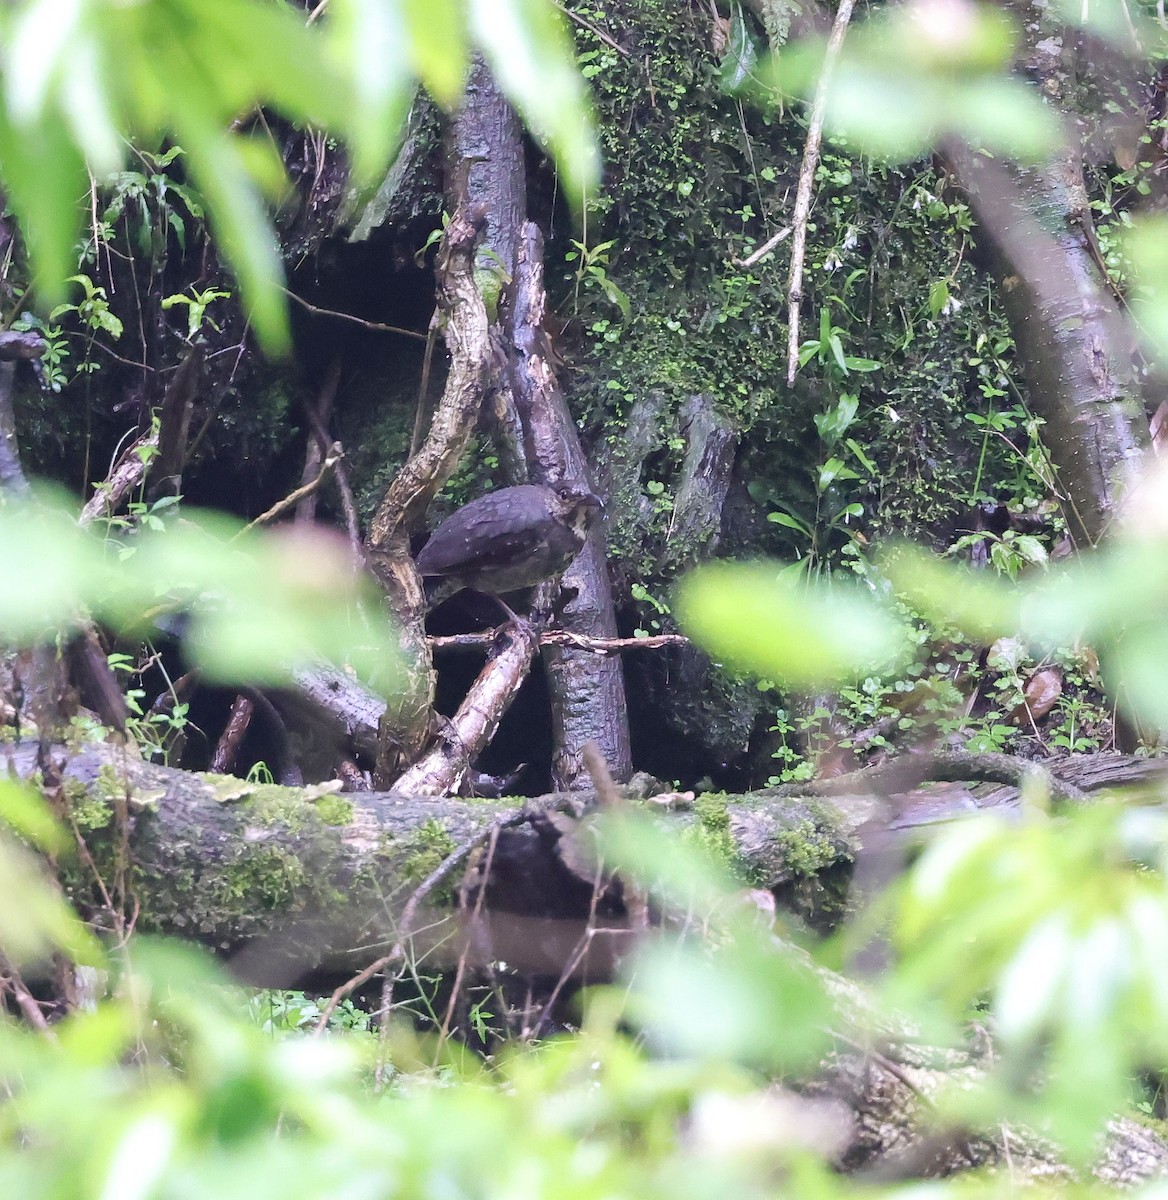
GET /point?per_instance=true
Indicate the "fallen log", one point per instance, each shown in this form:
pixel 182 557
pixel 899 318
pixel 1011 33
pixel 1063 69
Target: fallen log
pixel 287 881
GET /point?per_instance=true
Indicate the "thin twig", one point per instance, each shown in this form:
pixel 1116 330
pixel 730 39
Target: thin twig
pixel 560 637
pixel 25 1001
pixel 375 326
pixel 807 182
pixel 595 29
pixel 764 249
pixel 335 454
pixel 314 450
pixel 410 912
pixel 422 411
pixel 344 490
pixel 460 972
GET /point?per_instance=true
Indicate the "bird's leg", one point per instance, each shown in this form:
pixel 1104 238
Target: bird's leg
pixel 511 615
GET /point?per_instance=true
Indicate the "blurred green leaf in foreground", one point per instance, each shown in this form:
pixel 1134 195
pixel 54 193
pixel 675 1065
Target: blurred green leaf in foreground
pixel 81 79
pixel 259 603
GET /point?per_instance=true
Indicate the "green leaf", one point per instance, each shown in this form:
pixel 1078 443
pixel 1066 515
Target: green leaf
pixel 754 618
pixel 44 175
pixel 438 46
pixel 861 456
pixel 975 603
pixel 741 53
pixel 1146 246
pixel 1031 549
pixel 782 518
pixel 837 350
pixel 241 226
pixel 34 918
pixel 369 47
pixel 746 1001
pixel 27 814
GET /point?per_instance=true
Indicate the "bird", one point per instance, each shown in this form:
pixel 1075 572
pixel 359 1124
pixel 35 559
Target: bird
pixel 509 539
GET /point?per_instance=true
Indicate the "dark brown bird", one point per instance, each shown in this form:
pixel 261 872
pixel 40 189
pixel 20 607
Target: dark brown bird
pixel 510 539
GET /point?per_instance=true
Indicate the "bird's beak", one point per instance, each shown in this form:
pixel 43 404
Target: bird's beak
pixel 594 501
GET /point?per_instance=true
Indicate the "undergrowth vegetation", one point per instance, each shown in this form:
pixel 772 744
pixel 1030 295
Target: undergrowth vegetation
pixel 908 418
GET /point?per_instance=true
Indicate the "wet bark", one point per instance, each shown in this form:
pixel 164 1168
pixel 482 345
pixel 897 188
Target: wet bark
pixel 485 149
pixel 406 725
pixel 1074 344
pixel 587 692
pixel 534 426
pixel 446 765
pixel 711 444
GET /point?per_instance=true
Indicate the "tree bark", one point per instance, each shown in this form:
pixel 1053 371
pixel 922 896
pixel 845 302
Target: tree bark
pixel 1074 344
pixel 406 726
pixel 587 691
pixel 535 429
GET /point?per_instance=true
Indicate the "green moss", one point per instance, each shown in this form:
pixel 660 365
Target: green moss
pixel 267 876
pixel 711 833
pixel 713 811
pixel 270 805
pixel 424 850
pixel 93 809
pixel 807 847
pixel 334 809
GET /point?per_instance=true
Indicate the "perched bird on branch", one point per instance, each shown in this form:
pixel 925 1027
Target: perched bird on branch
pixel 513 538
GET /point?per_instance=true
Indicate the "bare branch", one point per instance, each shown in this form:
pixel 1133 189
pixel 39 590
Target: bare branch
pixel 807 181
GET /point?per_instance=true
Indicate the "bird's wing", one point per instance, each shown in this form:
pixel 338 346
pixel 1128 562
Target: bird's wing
pixel 489 529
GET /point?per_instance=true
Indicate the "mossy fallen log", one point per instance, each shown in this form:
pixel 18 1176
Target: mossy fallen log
pixel 285 882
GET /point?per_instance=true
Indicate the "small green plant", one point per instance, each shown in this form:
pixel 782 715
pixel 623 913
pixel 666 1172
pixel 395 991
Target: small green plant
pixel 52 362
pixel 1076 713
pixel 795 765
pixel 160 728
pixel 642 594
pixel 828 349
pixel 1027 462
pixel 591 271
pixel 260 772
pixel 482 1020
pixel 152 205
pixel 829 529
pixel 282 1014
pixel 93 311
pixel 197 304
pixel 1009 553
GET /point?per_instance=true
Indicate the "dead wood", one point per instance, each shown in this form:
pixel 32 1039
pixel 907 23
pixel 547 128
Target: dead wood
pixel 443 768
pixel 803 194
pixel 404 729
pixel 562 637
pixel 308 877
